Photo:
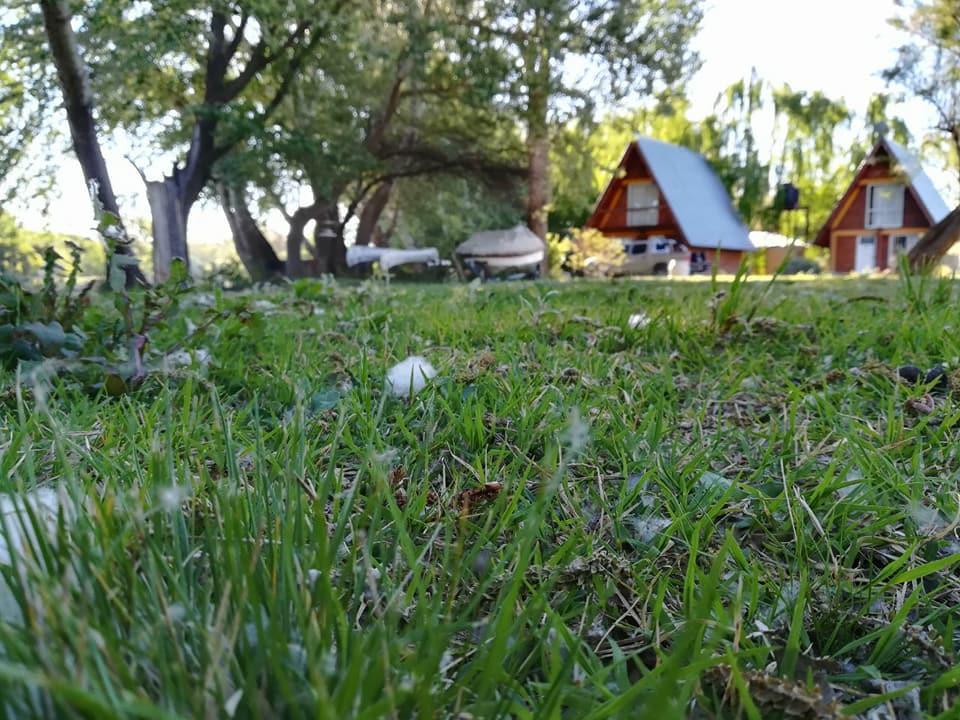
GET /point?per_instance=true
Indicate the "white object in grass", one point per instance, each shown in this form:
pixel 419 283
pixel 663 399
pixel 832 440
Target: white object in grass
pixel 22 519
pixel 19 534
pixel 410 376
pixel 186 358
pixel 638 320
pixel 648 528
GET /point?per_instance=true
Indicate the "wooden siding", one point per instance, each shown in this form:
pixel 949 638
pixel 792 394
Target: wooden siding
pixel 855 216
pixel 729 261
pixel 848 220
pixel 610 217
pixel 843 253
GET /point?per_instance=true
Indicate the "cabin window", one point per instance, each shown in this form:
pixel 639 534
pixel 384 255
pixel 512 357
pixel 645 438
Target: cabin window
pixel 900 245
pixel 638 248
pixel 643 204
pixel 884 206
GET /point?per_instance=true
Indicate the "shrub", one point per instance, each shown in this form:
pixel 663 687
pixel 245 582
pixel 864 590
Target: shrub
pixel 559 249
pixel 798 265
pixel 585 252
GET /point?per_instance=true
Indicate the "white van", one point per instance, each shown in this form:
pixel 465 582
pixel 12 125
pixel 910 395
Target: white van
pixel 654 256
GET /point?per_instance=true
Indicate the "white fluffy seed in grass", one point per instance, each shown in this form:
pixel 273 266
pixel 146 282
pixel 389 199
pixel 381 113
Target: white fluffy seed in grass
pixel 410 376
pixel 638 320
pixel 578 432
pixel 927 519
pixel 186 358
pixel 648 528
pixel 232 703
pixel 172 497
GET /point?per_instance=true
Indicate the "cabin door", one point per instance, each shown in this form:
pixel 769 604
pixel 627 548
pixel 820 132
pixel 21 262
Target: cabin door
pixel 865 258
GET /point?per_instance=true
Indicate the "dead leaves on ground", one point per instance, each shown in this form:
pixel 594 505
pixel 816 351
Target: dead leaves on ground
pixel 772 694
pixel 476 366
pixel 463 502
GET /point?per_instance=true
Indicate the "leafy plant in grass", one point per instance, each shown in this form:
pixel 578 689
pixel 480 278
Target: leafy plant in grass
pixel 105 342
pixel 39 325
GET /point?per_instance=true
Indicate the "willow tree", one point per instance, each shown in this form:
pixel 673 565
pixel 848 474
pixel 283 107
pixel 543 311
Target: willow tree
pixel 806 152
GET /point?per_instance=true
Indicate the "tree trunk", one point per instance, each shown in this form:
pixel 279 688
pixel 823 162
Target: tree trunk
pixel 169 215
pixel 537 70
pixel 382 236
pixel 296 266
pixel 538 183
pixel 955 136
pixel 331 251
pixel 371 213
pixel 78 101
pixel 928 253
pixel 255 252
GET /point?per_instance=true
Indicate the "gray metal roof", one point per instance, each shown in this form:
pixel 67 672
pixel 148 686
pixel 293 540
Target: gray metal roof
pixel 696 196
pixel 919 180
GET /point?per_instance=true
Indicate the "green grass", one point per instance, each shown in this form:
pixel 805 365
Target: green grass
pixel 703 517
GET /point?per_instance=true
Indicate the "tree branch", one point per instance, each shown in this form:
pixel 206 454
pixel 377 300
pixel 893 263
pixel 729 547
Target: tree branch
pixel 260 58
pixel 237 36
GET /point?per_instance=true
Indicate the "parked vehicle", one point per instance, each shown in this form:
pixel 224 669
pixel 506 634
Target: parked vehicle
pixel 655 256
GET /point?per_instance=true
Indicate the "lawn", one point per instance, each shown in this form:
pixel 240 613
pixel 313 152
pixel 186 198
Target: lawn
pixel 729 506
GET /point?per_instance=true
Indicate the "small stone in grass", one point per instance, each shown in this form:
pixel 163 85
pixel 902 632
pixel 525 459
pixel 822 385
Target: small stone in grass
pixel 921 405
pixel 909 373
pixel 937 376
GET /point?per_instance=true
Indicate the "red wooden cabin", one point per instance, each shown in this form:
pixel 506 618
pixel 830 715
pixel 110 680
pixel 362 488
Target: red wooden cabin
pixel 888 207
pixel 666 191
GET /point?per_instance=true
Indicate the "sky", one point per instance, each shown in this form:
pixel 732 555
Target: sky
pixel 837 46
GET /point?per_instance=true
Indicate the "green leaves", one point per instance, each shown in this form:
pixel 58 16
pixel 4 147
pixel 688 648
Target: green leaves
pixel 118 273
pixel 36 341
pixel 50 336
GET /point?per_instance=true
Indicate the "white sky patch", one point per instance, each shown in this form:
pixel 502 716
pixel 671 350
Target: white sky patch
pixel 836 46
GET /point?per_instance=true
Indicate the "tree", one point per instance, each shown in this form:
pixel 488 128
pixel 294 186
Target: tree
pixel 254 250
pixel 196 78
pixel 806 154
pixel 927 253
pixel 728 141
pixel 928 66
pixel 78 101
pixel 400 104
pixel 624 46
